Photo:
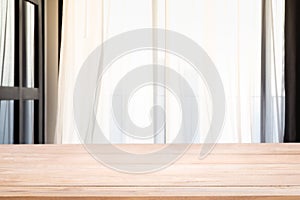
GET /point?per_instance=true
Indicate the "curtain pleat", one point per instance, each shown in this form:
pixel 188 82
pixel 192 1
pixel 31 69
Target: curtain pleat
pixel 272 87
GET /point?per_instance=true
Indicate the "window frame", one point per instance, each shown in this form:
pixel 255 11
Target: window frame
pixel 19 93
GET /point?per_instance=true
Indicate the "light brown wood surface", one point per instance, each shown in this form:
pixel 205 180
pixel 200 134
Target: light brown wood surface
pixel 230 171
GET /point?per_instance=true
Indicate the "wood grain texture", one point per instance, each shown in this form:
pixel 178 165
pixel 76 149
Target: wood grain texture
pixel 230 171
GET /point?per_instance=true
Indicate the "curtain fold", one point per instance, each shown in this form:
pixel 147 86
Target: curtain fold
pixel 292 71
pixel 272 72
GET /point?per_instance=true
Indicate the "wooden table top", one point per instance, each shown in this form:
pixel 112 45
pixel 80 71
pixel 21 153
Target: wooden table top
pixel 231 171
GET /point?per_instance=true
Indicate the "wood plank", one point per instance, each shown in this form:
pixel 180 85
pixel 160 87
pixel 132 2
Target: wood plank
pixel 149 191
pixel 157 197
pixel 234 171
pixel 274 149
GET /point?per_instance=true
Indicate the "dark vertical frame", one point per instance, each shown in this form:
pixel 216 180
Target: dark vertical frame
pixel 60 18
pixel 263 102
pixel 17 73
pixel 292 71
pixel 60 21
pixel 40 137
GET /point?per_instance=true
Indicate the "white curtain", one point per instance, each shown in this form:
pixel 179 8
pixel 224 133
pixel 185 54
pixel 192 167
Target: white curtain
pixel 229 31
